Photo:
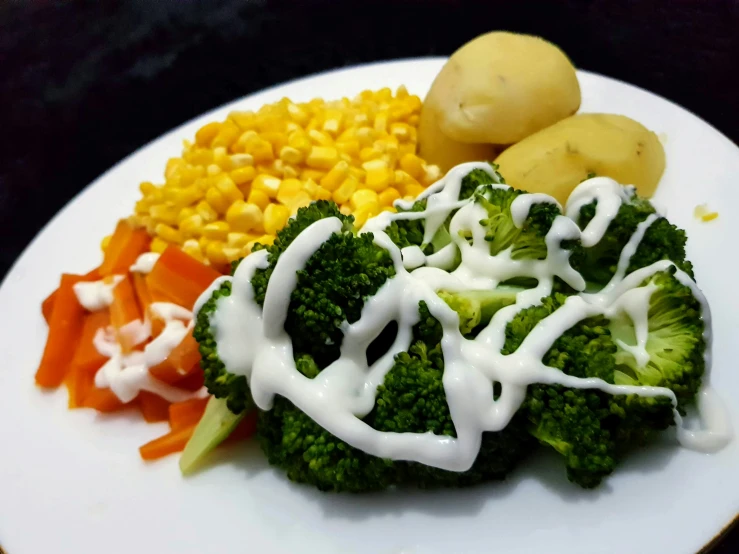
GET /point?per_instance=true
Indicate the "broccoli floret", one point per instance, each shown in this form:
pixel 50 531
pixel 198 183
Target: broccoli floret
pixel 526 242
pixel 411 399
pixel 219 382
pixel 409 232
pixel 662 241
pixel 675 342
pixel 476 178
pixel 590 428
pixel 477 307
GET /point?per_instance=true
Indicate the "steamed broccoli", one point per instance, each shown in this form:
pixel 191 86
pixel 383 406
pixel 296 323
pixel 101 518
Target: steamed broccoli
pixel 675 342
pixel 591 429
pixel 411 399
pixel 526 242
pixel 662 241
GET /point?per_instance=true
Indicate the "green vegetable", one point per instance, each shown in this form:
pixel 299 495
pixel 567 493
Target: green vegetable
pixel 214 427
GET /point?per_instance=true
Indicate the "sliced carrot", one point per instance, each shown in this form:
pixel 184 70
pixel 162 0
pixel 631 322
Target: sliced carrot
pixel 124 309
pixel 48 304
pixel 179 277
pixel 245 429
pixel 186 413
pixel 181 362
pixel 86 360
pixel 172 442
pixel 192 382
pixel 65 325
pixel 153 407
pixel 103 400
pixel 145 299
pixel 124 247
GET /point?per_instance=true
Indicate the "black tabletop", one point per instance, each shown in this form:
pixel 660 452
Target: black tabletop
pixel 83 84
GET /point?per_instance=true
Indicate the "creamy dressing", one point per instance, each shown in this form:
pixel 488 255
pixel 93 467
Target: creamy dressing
pixel 96 295
pixel 145 263
pixel 128 374
pixel 252 341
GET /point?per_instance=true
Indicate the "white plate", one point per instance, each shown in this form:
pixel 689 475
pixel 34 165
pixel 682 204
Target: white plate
pixel 73 481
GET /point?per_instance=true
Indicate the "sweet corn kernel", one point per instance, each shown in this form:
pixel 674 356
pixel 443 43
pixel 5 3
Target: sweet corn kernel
pixel 388 196
pixel 300 141
pixel 239 240
pixel 322 139
pixel 322 157
pixel 291 155
pixel 362 197
pixel 322 194
pixel 192 248
pixel 288 189
pixel 158 245
pixel 217 201
pixel 310 187
pixel 364 212
pixel 300 200
pixel 165 214
pixel 206 211
pixel 244 217
pixel 412 164
pixel 192 226
pixel 218 230
pixel 342 194
pixel 413 190
pixel 215 253
pixel 243 175
pixel 268 184
pixel 335 177
pixel 275 217
pixel 184 214
pixel 205 135
pixel 258 198
pixel 241 160
pixel 314 174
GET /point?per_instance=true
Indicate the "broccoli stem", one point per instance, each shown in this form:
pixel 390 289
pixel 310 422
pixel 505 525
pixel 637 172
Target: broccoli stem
pixel 217 423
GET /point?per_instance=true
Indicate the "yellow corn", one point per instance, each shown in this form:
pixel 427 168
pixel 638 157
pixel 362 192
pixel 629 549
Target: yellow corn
pixel 240 179
pixel 362 197
pixel 218 230
pixel 275 217
pixel 259 199
pixel 158 245
pixel 388 196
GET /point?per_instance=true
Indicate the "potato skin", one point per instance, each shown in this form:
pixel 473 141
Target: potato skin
pixel 501 87
pixel 440 150
pixel 556 159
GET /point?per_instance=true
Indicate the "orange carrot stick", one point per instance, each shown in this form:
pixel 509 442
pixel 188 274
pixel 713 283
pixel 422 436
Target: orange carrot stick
pixel 179 277
pixel 124 247
pixel 153 407
pixel 65 325
pixel 48 304
pixel 186 413
pixel 145 299
pixel 103 400
pixel 86 360
pixel 172 442
pixel 180 363
pixel 124 310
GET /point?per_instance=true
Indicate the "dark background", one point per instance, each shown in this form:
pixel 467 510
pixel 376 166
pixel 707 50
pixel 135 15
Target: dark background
pixel 83 84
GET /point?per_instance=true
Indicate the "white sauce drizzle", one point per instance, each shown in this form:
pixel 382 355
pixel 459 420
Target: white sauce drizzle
pixel 252 341
pixel 96 295
pixel 128 374
pixel 145 263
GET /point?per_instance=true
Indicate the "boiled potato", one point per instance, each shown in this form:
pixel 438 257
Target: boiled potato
pixel 558 158
pixel 500 88
pixel 443 151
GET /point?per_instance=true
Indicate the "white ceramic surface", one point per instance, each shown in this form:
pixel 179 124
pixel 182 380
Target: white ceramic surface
pixel 73 481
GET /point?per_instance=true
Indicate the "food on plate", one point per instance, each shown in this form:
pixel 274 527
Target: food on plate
pixel 437 346
pixel 500 88
pixel 242 178
pixel 556 159
pixel 446 152
pixel 703 213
